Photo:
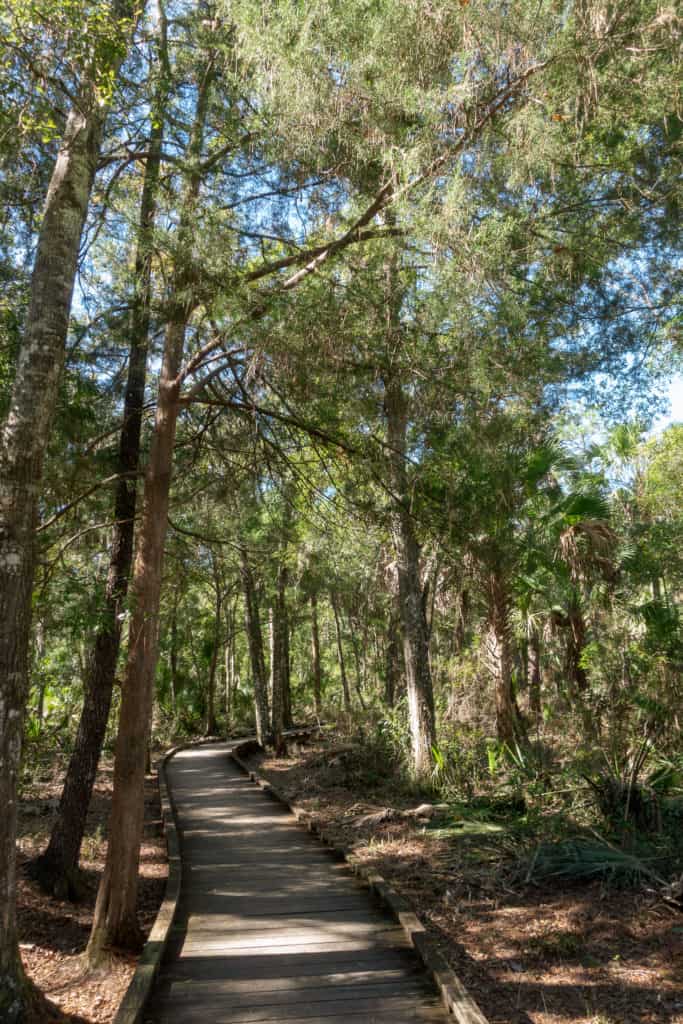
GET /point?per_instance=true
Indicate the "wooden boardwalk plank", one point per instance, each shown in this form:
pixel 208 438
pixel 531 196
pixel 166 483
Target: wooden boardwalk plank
pixel 271 927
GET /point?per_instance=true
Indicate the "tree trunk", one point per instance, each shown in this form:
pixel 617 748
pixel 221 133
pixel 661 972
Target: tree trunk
pixel 356 662
pixel 40 653
pixel 211 727
pixel 287 671
pixel 413 623
pixel 57 868
pixel 534 661
pixel 24 439
pixel 576 643
pixel 278 667
pixel 499 651
pixel 252 625
pixel 315 656
pixel 340 652
pixel 173 658
pixel 461 614
pixel 115 920
pixel 230 667
pixel 392 675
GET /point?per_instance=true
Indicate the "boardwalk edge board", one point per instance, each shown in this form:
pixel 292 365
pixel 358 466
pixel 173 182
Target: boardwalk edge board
pixel 136 995
pixel 455 996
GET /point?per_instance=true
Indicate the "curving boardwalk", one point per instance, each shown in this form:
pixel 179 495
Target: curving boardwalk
pixel 270 926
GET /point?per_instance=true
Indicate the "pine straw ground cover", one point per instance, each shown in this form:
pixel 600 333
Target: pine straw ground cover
pixel 529 953
pixel 53 933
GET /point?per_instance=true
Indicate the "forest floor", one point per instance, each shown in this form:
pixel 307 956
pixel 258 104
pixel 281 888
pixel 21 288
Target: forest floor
pixel 528 954
pixel 53 933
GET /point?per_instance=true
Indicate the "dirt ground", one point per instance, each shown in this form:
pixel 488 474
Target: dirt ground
pixel 527 954
pixel 53 933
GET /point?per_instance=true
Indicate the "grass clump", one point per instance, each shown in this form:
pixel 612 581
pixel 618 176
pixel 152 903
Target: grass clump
pixel 584 860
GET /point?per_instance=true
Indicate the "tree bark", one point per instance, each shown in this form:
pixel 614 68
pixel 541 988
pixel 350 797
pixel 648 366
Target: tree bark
pixel 287 669
pixel 57 867
pixel 413 623
pixel 461 615
pixel 392 672
pixel 340 653
pixel 534 659
pixel 500 656
pixel 315 656
pixel 115 920
pixel 252 623
pixel 230 666
pixel 173 659
pixel 278 666
pixel 211 727
pixel 23 441
pixel 42 681
pixel 356 662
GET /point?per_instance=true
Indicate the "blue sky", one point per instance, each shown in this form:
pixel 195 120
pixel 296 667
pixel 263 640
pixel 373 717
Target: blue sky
pixel 676 399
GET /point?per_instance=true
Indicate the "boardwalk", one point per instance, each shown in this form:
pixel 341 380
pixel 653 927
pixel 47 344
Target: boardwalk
pixel 270 926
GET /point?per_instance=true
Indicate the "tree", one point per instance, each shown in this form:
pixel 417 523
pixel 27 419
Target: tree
pixel 26 432
pixel 57 866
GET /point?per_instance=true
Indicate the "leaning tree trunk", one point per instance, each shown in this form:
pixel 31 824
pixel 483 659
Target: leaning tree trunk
pixel 57 867
pixel 23 442
pixel 413 623
pixel 115 919
pixel 252 625
pixel 340 653
pixel 315 656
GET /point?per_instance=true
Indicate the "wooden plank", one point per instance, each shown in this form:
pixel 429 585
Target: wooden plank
pixel 294 966
pixel 284 945
pixel 236 927
pixel 300 985
pixel 410 1014
pixel 221 994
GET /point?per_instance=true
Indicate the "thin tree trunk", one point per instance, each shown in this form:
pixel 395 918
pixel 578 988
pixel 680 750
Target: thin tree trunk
pixel 461 614
pixel 315 656
pixel 42 679
pixel 411 604
pixel 230 667
pixel 211 727
pixel 340 653
pixel 392 662
pixel 57 867
pixel 287 670
pixel 356 662
pixel 252 623
pixel 278 667
pixel 173 657
pixel 534 661
pixel 115 920
pixel 23 441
